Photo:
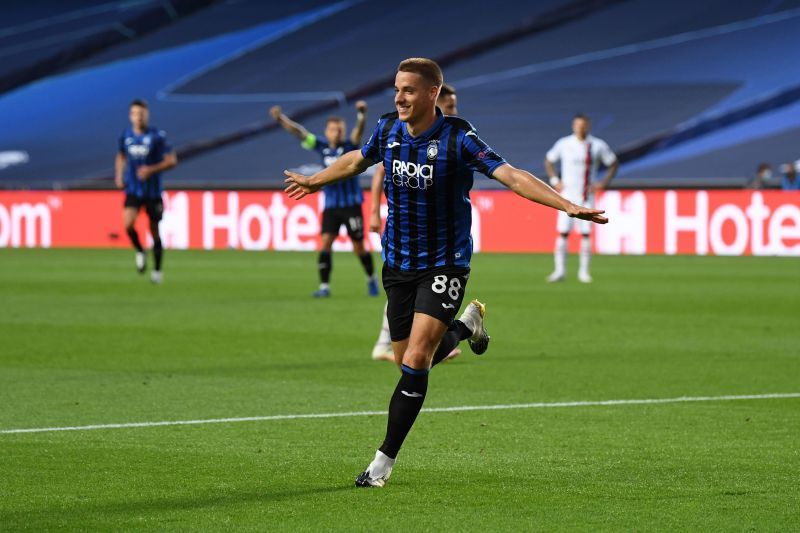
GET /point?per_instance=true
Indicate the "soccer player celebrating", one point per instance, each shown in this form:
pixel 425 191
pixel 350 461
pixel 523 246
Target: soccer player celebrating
pixel 383 351
pixel 580 155
pixel 142 156
pixel 429 160
pixel 342 200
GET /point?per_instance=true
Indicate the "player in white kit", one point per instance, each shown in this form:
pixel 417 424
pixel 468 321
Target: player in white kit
pixel 580 155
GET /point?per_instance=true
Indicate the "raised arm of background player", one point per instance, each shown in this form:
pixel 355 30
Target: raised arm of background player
pixel 361 119
pixel 521 182
pixel 288 124
pixel 299 131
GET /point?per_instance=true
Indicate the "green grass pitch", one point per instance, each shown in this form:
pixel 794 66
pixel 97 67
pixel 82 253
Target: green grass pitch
pixel 85 340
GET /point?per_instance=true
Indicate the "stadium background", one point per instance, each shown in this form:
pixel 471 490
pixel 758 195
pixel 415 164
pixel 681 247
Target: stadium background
pixel 662 396
pixel 689 94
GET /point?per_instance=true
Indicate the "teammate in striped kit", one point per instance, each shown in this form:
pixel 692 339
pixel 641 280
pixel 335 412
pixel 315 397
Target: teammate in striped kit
pixel 580 154
pixel 429 160
pixel 342 200
pixel 143 154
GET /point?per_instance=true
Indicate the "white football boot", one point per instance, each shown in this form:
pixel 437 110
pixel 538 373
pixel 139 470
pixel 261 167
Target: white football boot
pixel 382 352
pixel 472 317
pixel 141 262
pixel 377 472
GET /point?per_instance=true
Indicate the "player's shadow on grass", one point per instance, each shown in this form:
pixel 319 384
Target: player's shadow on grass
pixel 158 504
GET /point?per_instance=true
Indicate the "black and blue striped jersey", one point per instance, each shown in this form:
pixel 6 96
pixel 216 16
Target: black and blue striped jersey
pixel 148 148
pixel 345 193
pixel 427 184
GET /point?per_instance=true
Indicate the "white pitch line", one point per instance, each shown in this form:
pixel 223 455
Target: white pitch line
pixel 537 405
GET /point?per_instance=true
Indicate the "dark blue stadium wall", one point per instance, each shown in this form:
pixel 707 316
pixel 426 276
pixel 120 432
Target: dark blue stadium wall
pixel 674 87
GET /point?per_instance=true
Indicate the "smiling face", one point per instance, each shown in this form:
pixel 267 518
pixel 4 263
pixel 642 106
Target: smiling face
pixel 139 116
pixel 414 97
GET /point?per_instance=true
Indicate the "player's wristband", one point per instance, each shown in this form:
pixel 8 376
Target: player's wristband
pixel 309 142
pixel 554 180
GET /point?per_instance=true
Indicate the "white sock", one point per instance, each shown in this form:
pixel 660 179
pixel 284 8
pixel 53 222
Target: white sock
pixel 324 286
pixel 381 463
pixel 586 254
pixel 560 255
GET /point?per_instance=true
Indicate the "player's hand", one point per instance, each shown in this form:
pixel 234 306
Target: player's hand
pixel 144 172
pixel 585 213
pixel 298 185
pixel 559 187
pixel 275 111
pixel 375 222
pixel 361 106
pixel 118 182
pixel 598 187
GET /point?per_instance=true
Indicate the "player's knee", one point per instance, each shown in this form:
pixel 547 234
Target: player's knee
pixel 418 357
pixel 326 242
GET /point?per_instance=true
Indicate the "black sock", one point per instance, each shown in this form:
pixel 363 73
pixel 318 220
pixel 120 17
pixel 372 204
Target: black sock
pixel 366 260
pixel 461 330
pixel 158 253
pixel 404 407
pixel 456 333
pixel 449 341
pixel 135 240
pixel 325 266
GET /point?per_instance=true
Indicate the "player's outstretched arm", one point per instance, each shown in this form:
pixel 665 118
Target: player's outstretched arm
pixel 376 190
pixel 350 164
pixel 361 119
pixel 288 124
pixel 530 187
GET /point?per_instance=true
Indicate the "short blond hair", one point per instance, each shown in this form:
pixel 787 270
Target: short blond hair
pixel 427 68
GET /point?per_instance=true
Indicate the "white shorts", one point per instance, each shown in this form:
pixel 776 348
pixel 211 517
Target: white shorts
pixel 565 222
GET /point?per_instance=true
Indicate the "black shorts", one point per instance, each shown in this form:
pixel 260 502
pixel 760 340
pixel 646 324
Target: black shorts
pixel 153 206
pixel 437 292
pixel 332 220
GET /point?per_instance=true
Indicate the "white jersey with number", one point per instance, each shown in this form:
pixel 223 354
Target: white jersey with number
pixel 579 161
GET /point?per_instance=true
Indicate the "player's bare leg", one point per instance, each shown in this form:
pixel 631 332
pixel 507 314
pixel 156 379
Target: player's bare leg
pixel 366 261
pixel 129 219
pixel 399 348
pixel 325 263
pixel 156 276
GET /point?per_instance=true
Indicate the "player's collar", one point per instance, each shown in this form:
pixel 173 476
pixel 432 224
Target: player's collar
pixel 424 136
